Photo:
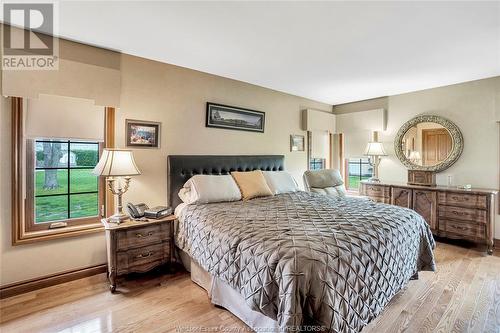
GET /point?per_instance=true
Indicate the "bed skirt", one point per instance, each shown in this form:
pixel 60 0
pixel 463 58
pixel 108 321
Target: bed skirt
pixel 221 294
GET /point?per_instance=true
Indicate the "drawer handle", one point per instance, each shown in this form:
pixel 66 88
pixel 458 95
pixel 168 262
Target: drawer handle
pixel 460 198
pixel 459 213
pixel 376 189
pixel 139 235
pixel 459 228
pixel 145 255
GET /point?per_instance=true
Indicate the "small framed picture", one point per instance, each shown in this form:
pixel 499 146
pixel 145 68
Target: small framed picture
pixel 297 142
pixel 142 134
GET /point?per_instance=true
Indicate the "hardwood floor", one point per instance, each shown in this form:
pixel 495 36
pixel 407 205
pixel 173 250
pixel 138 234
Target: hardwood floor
pixel 462 296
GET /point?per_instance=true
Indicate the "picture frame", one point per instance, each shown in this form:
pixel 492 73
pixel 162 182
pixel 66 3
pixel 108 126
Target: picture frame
pixel 142 134
pixel 234 118
pixel 297 142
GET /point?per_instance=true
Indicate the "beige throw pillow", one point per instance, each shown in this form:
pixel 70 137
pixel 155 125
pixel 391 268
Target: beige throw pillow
pixel 252 184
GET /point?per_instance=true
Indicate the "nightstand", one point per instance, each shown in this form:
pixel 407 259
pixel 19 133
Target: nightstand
pixel 134 246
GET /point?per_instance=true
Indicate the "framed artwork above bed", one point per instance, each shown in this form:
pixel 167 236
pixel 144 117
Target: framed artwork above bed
pixel 234 118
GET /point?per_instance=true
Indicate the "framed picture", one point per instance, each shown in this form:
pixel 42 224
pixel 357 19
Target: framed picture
pixel 297 142
pixel 235 118
pixel 142 134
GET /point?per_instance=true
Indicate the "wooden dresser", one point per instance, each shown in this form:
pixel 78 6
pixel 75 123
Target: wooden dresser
pixel 450 212
pixel 138 246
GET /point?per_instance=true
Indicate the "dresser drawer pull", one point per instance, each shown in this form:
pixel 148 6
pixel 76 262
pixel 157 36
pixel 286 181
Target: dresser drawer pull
pixel 459 213
pixel 145 255
pixel 376 189
pixel 460 198
pixel 459 228
pixel 139 235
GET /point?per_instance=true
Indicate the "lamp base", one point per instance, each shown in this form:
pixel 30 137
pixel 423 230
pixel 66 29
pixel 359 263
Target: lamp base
pixel 118 218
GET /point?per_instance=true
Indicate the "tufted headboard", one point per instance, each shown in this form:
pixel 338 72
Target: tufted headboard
pixel 183 167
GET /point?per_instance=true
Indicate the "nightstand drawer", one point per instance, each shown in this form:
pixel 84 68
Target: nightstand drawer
pixel 137 237
pixel 142 259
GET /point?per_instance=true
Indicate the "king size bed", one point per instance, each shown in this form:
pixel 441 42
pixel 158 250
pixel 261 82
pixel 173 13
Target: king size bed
pixel 296 261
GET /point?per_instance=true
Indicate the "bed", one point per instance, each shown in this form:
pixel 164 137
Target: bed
pixel 296 261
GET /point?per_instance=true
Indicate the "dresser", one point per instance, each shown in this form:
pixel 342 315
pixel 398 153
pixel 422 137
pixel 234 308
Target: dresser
pixel 450 212
pixel 138 247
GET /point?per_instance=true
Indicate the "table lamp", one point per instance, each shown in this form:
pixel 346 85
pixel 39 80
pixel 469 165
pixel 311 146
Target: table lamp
pixel 375 150
pixel 117 165
pixel 414 156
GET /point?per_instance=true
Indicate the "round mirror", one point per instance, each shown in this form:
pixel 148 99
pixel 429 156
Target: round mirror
pixel 429 143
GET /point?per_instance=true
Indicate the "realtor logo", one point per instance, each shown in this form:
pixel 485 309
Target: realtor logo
pixel 28 42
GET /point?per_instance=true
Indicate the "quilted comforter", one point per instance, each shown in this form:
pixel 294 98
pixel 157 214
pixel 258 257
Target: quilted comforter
pixel 308 260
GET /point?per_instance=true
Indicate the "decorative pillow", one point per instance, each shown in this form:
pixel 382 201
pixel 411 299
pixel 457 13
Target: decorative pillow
pixel 280 182
pixel 209 188
pixel 323 178
pixel 252 184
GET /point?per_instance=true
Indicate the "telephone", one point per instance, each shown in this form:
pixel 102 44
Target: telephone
pixel 137 211
pixel 142 211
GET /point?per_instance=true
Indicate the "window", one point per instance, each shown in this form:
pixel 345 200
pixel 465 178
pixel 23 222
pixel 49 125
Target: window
pixel 54 194
pixel 61 187
pixel 317 163
pixel 359 169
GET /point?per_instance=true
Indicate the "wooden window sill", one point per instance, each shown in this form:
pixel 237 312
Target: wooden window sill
pixel 45 235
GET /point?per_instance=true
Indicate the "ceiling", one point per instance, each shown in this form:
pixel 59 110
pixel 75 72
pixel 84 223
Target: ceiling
pixel 334 52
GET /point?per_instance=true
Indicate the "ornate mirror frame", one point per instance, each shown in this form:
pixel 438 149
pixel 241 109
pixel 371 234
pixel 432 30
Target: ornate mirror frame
pixel 456 137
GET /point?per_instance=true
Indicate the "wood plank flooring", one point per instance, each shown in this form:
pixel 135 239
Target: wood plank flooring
pixel 462 296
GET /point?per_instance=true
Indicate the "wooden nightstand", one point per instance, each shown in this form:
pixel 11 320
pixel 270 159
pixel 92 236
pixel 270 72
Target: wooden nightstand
pixel 138 246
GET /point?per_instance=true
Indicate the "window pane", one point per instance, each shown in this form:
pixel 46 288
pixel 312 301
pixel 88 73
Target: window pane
pixel 83 205
pixel 51 182
pixel 48 209
pixel 366 170
pixel 354 167
pixel 354 182
pixel 51 154
pixel 82 180
pixel 83 154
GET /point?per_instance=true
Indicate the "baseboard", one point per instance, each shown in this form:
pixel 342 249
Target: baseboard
pixel 49 280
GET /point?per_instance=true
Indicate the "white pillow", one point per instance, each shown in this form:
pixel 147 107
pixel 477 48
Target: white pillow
pixel 209 188
pixel 280 182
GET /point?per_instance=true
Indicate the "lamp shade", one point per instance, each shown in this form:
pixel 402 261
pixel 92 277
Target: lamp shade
pixel 116 162
pixel 375 149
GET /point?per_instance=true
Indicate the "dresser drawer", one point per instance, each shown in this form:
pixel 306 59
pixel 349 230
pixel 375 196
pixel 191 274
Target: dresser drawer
pixel 463 200
pixel 142 259
pixel 137 237
pixel 376 191
pixel 464 214
pixel 463 229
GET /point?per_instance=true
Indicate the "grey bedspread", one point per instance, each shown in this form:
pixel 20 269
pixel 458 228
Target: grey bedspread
pixel 305 259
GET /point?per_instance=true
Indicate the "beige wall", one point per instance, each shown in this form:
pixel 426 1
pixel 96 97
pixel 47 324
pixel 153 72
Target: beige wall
pixel 474 107
pixel 176 97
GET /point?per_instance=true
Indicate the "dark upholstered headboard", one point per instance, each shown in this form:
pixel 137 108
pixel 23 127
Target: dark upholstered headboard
pixel 183 167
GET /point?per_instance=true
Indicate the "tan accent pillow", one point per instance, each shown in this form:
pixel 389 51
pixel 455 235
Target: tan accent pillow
pixel 252 184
